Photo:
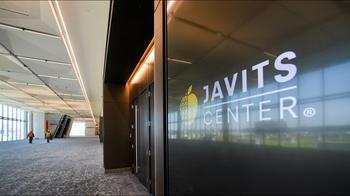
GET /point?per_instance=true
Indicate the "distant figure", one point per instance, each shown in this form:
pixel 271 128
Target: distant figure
pixel 48 135
pixel 51 135
pixel 30 135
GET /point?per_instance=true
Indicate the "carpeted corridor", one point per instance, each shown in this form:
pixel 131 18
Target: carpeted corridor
pixel 72 166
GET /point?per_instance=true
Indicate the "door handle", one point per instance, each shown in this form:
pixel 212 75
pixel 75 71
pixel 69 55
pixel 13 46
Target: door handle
pixel 136 140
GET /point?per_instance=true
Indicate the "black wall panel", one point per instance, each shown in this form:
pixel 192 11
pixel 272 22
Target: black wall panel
pixel 116 126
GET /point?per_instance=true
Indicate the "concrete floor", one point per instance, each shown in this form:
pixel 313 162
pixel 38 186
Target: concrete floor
pixel 71 166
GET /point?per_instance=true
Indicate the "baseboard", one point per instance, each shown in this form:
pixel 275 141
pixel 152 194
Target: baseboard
pixel 117 170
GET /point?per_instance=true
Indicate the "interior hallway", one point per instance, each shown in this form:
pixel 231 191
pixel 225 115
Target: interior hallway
pixel 64 166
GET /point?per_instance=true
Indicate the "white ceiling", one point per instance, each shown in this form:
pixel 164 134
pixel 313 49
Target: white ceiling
pixel 87 24
pixel 28 59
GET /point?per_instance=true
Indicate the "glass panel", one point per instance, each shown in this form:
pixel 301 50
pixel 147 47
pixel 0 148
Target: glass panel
pixel 258 92
pixel 5 110
pixel 18 116
pixel 1 120
pixel 10 123
pixel 14 124
pixel 22 125
pixel 5 135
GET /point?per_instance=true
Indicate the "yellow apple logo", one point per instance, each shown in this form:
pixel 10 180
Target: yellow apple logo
pixel 188 106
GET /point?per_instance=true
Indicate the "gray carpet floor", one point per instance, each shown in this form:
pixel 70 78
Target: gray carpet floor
pixel 72 166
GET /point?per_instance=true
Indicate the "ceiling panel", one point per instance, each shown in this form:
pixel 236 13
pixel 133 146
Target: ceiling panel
pixel 34 45
pixel 14 94
pixel 9 66
pixel 34 90
pixel 51 69
pixel 5 86
pixel 68 97
pixel 19 77
pixel 35 15
pixel 63 86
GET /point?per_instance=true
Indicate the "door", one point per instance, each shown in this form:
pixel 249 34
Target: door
pixel 142 138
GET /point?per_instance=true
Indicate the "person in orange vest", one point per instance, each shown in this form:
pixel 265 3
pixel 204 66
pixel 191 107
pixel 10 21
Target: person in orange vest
pixel 48 135
pixel 30 135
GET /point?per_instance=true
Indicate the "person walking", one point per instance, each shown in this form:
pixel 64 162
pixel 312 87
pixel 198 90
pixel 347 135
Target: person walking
pixel 30 135
pixel 48 135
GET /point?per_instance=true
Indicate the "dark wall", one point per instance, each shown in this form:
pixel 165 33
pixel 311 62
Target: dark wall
pixel 219 168
pixel 130 32
pixel 101 131
pixel 116 126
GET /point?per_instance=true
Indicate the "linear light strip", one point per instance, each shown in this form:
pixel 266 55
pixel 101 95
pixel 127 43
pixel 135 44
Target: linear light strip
pixel 75 100
pixel 55 8
pixel 140 65
pixel 180 61
pixel 25 83
pixel 143 67
pixel 42 60
pixel 73 95
pixel 57 77
pixel 7 26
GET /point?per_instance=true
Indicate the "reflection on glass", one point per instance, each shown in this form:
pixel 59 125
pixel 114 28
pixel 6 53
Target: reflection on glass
pixel 255 83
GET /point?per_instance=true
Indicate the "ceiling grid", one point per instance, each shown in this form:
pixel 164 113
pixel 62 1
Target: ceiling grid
pixel 36 71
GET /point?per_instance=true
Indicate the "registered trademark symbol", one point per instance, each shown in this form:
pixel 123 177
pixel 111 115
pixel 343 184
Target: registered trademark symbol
pixel 309 112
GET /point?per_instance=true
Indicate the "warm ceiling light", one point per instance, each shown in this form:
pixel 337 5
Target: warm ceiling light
pixel 11 27
pixel 142 68
pixel 170 5
pixel 150 57
pixel 55 8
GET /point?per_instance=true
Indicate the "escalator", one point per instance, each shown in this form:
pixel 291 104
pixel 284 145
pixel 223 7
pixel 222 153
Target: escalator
pixel 63 127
